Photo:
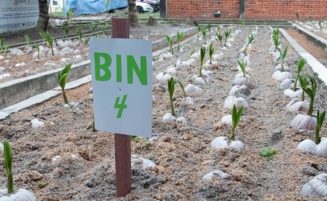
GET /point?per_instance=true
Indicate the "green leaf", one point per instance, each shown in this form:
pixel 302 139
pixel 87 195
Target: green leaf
pixel 171 87
pixel 242 64
pixel 268 152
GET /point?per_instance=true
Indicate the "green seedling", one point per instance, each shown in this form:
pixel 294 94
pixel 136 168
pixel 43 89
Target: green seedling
pixel 204 34
pixel 27 40
pixel 37 47
pixel 242 64
pixel 218 28
pixel 202 55
pixel 304 83
pixel 236 119
pixel 310 90
pixel 66 28
pixel 93 26
pixel 220 38
pixel 300 66
pixel 249 42
pixel 171 90
pixel 282 58
pixel 320 121
pixel 193 50
pixel 182 87
pixel 227 34
pixel 7 155
pixel 276 39
pixel 209 27
pixel 47 38
pixel 62 80
pixel 268 152
pixel 170 43
pixel 211 52
pixel 69 14
pixel 79 34
pixel 3 46
pixel 179 38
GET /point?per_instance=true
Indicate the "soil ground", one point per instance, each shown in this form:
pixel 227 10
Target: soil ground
pixel 65 160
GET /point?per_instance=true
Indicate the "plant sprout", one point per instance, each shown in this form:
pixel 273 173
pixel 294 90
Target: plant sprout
pixel 242 64
pixel 179 38
pixel 7 155
pixel 250 41
pixel 311 92
pixel 276 39
pixel 304 83
pixel 93 26
pixel 66 28
pixel 37 47
pixel 69 14
pixel 3 46
pixel 282 58
pixel 320 121
pixel 300 66
pixel 202 55
pixel 171 90
pixel 227 34
pixel 27 39
pixel 170 43
pixel 211 52
pixel 204 34
pixel 46 36
pixel 220 38
pixel 62 80
pixel 218 28
pixel 79 34
pixel 236 118
pixel 193 50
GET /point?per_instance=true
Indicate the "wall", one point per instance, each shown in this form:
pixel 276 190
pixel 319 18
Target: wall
pixel 254 9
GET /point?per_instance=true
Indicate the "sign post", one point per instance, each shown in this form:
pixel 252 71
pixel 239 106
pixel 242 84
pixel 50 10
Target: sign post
pixel 122 93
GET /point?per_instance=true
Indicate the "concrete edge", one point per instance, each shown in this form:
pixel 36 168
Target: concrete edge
pixel 316 66
pixel 312 35
pixel 20 89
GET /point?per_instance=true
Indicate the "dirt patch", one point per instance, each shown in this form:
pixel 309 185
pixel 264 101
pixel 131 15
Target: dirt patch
pixel 65 160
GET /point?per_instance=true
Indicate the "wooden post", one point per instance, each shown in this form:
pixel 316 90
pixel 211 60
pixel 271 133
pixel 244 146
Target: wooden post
pixel 120 29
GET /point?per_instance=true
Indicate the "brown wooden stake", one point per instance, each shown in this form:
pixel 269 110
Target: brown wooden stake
pixel 120 29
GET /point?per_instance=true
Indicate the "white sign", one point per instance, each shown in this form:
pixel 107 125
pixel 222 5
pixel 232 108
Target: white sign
pixel 16 15
pixel 122 85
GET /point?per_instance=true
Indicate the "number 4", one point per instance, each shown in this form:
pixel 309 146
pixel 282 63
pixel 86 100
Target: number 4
pixel 120 106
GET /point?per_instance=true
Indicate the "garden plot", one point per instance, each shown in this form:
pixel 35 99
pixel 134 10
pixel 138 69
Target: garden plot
pixel 53 54
pixel 65 160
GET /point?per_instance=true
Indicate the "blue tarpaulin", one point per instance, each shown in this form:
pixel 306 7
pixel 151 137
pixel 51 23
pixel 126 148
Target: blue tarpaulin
pixel 93 6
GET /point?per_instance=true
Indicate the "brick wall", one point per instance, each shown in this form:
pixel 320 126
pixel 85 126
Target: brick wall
pixel 254 9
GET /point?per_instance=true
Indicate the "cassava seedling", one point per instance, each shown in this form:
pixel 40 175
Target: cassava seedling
pixel 236 119
pixel 7 155
pixel 282 58
pixel 242 64
pixel 311 92
pixel 211 52
pixel 202 55
pixel 220 38
pixel 62 80
pixel 179 38
pixel 227 34
pixel 171 90
pixel 27 40
pixel 320 121
pixel 170 43
pixel 300 66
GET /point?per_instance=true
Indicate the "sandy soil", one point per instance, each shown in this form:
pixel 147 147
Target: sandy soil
pixel 65 160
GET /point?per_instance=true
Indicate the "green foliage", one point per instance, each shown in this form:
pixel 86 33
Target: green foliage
pixel 242 64
pixel 218 28
pixel 179 37
pixel 227 34
pixel 300 65
pixel 62 80
pixel 209 28
pixel 79 34
pixel 3 46
pixel 268 152
pixel 211 52
pixel 304 83
pixel 27 39
pixel 276 38
pixel 170 43
pixel 69 14
pixel 249 42
pixel 193 50
pixel 93 26
pixel 182 87
pixel 320 121
pixel 282 58
pixel 47 38
pixel 7 155
pixel 66 28
pixel 202 56
pixel 204 34
pixel 310 90
pixel 171 90
pixel 236 119
pixel 220 38
pixel 37 47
